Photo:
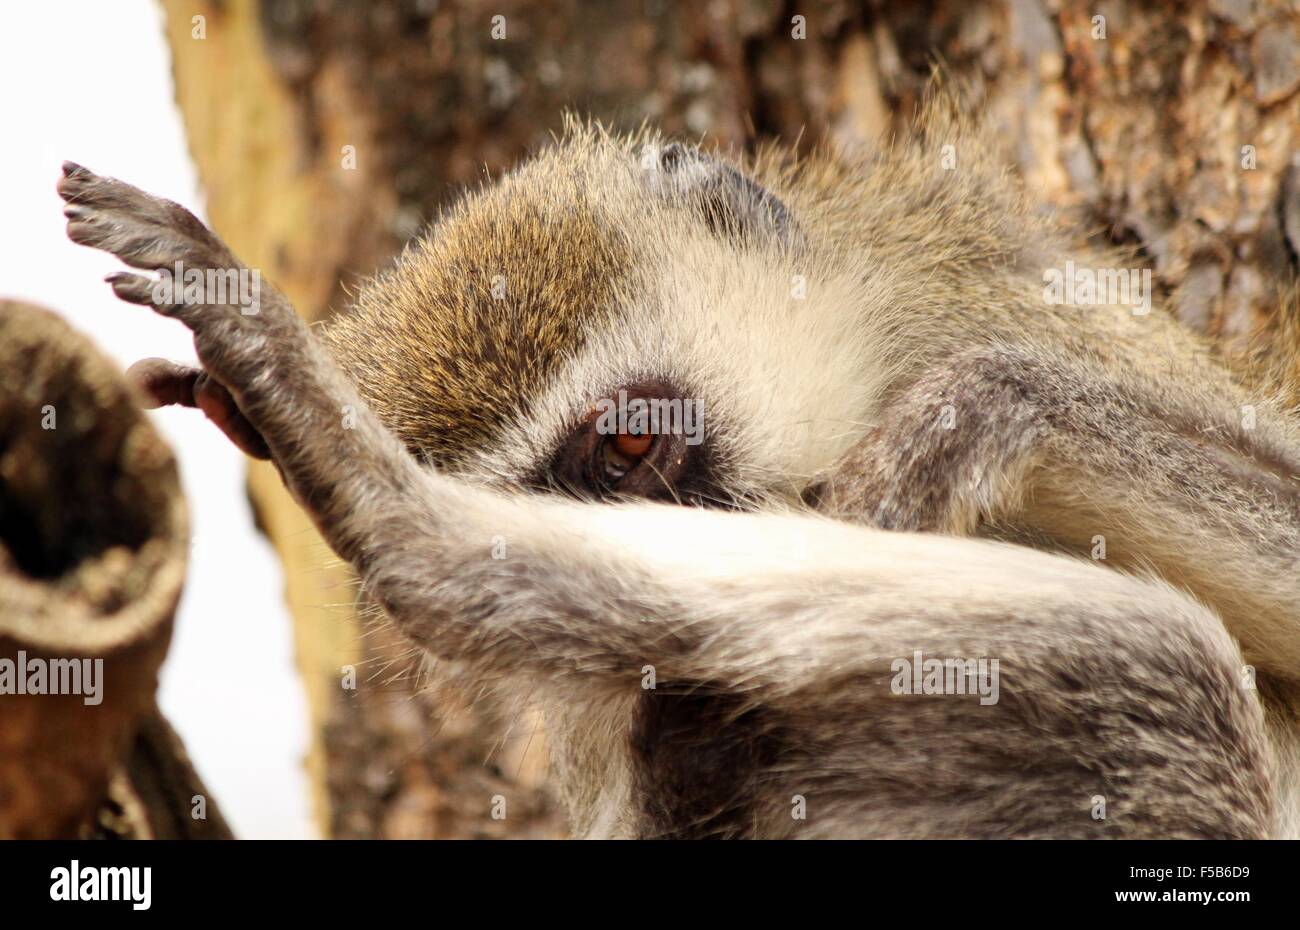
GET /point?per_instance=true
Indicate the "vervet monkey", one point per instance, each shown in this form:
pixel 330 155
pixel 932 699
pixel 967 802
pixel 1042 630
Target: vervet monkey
pixel 732 634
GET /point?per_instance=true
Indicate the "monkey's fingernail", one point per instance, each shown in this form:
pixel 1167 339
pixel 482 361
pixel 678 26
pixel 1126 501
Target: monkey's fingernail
pixel 116 276
pixel 72 169
pixel 74 212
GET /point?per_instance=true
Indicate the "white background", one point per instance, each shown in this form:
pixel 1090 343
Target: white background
pixel 91 82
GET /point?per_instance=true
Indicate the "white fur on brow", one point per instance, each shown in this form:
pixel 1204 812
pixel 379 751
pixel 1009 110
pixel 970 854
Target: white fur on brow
pixel 719 326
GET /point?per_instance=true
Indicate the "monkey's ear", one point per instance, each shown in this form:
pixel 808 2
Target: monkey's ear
pixel 729 202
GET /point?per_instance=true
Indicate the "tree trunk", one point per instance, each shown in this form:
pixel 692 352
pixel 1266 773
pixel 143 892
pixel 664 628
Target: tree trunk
pixel 93 544
pixel 327 133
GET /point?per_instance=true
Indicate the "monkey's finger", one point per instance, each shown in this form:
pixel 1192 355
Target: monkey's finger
pixel 164 383
pixel 82 190
pixel 217 403
pixel 142 230
pixel 138 244
pixel 136 289
pixel 81 185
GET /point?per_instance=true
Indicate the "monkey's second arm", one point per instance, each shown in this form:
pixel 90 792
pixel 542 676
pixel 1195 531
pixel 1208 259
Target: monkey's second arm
pixel 1139 473
pixel 723 666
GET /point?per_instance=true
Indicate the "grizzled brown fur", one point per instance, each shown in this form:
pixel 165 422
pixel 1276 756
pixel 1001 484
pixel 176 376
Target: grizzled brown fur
pixel 446 354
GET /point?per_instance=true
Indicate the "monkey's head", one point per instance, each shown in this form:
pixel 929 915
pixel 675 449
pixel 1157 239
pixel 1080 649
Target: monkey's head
pixel 619 316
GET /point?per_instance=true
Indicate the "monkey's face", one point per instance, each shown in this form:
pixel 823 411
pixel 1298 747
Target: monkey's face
pixel 617 317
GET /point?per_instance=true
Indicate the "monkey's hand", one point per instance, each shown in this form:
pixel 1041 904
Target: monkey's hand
pixel 264 380
pixel 245 333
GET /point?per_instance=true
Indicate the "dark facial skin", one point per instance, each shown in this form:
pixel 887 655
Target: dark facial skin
pixel 661 466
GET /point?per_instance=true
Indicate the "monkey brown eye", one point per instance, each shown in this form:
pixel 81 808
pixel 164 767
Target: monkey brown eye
pixel 631 460
pixel 623 452
pixel 631 445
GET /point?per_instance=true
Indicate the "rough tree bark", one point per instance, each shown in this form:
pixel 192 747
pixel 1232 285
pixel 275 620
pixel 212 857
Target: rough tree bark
pixel 326 133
